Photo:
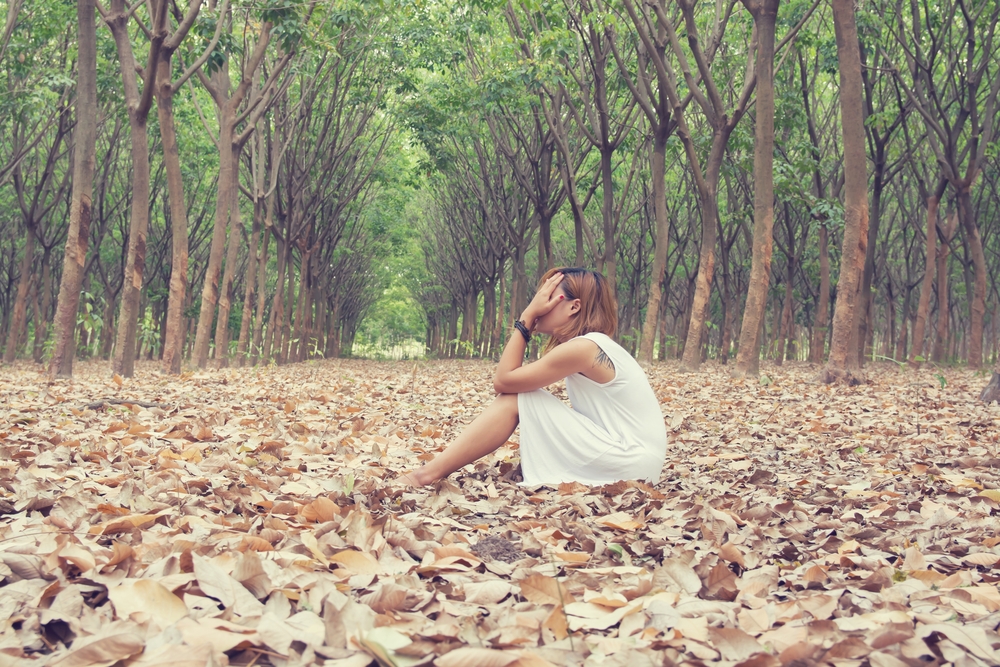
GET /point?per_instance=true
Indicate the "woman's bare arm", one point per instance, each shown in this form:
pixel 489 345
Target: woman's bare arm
pixel 575 356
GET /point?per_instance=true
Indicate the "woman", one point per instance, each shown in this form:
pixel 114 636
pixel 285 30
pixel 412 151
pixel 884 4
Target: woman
pixel 614 430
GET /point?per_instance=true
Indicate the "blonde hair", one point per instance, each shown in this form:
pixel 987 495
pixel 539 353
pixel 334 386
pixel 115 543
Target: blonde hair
pixel 598 307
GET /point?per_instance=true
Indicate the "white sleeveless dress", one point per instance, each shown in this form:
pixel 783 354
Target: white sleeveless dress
pixel 614 431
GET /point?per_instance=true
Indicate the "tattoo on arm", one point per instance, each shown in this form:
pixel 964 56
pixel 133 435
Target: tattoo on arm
pixel 602 359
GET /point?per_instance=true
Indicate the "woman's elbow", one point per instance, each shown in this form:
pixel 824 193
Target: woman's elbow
pixel 502 384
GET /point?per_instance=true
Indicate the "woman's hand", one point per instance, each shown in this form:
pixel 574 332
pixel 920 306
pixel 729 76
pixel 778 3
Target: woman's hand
pixel 545 300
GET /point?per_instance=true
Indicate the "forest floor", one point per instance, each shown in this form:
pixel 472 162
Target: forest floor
pixel 250 517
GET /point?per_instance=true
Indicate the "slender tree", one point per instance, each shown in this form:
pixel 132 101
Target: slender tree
pixel 85 148
pixel 654 103
pixel 166 89
pixel 855 241
pixel 765 14
pixel 228 103
pixel 927 284
pixel 138 104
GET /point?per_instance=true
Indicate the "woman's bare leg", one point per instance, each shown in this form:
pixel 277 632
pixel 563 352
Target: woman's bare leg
pixel 488 432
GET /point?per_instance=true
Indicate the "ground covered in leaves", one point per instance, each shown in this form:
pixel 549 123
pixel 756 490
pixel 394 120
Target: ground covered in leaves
pixel 249 516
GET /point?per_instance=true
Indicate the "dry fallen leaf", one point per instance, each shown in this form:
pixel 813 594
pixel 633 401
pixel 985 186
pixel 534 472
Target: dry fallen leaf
pixel 102 651
pixel 356 562
pixel 148 597
pixel 541 589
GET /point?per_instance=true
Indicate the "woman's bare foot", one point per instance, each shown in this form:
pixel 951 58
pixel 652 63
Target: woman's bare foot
pixel 412 478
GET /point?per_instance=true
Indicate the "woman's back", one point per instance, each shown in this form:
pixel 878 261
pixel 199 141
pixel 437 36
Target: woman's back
pixel 626 406
pixel 614 431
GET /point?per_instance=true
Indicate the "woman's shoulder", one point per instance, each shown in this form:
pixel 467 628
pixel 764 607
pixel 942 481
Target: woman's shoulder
pixel 607 344
pixel 619 355
pixel 603 340
pixel 596 335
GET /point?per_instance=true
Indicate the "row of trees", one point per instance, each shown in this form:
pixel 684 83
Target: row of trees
pixel 305 155
pixel 673 144
pixel 246 220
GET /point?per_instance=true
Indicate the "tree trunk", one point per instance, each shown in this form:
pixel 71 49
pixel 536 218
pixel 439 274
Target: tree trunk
pixel 258 154
pixel 691 360
pixel 991 392
pixel 890 322
pixel 285 331
pixel 37 314
pixel 434 337
pixel 519 289
pixel 84 158
pixel 210 290
pixel 333 333
pixel 855 241
pixel 488 323
pixel 296 348
pixel 765 14
pixel 173 345
pixel 944 310
pixel 661 353
pixel 995 333
pixel 772 346
pixel 977 302
pixel 452 330
pixel 305 298
pixel 469 323
pixel 275 321
pixel 42 314
pixel 728 315
pixel 347 338
pixel 497 341
pixel 137 105
pixel 317 320
pixel 817 346
pixel 608 214
pixel 661 133
pixel 135 263
pixel 785 333
pixel 927 285
pixel 227 101
pixel 258 323
pixel 228 275
pixel 817 343
pixel 15 333
pixel 241 345
pixel 864 314
pixel 107 332
pixel 901 339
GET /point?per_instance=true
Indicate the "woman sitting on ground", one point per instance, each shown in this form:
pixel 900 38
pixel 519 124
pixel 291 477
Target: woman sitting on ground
pixel 614 431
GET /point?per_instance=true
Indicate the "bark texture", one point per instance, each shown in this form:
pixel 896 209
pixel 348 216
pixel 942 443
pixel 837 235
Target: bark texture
pixel 946 232
pixel 15 332
pixel 927 284
pixel 174 338
pixel 765 14
pixel 138 106
pixel 78 235
pixel 855 242
pixel 173 343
